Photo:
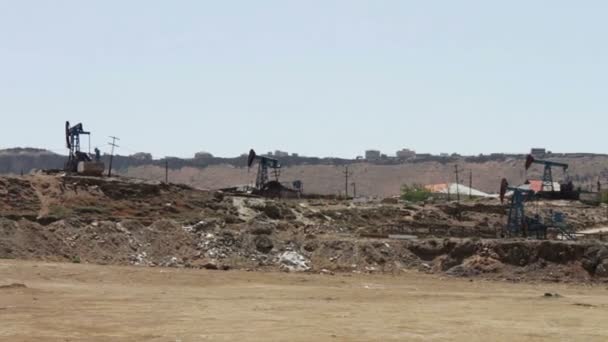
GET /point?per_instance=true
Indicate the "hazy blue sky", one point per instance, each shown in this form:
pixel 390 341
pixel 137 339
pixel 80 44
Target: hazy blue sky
pixel 318 77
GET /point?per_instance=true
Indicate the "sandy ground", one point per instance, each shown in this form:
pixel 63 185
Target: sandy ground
pixel 74 302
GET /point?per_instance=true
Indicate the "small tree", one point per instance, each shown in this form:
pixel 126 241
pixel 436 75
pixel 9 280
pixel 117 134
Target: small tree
pixel 414 193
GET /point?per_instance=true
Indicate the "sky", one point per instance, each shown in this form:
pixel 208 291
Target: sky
pixel 316 77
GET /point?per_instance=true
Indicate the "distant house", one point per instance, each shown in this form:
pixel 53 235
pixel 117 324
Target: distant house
pixel 405 154
pixel 203 155
pixel 537 151
pixel 372 154
pixel 142 156
pixel 281 154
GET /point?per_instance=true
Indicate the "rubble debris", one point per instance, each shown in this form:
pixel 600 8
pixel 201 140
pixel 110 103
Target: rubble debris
pixel 126 222
pixel 294 262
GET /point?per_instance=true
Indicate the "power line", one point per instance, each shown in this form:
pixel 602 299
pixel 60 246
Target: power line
pixel 166 171
pixel 113 144
pixel 470 184
pixel 346 174
pixel 457 184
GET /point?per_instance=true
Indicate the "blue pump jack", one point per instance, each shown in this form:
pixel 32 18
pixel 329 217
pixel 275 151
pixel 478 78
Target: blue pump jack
pixel 518 224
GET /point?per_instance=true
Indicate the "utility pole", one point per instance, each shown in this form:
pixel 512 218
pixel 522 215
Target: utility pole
pixel 113 144
pixel 470 184
pixel 354 189
pixel 457 184
pixel 346 174
pixel 449 197
pixel 166 171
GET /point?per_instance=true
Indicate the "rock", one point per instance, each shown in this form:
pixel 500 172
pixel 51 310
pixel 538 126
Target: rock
pixel 172 262
pixel 263 244
pixel 390 200
pixel 311 246
pixel 602 269
pixel 552 295
pixel 218 196
pixel 265 229
pixel 272 211
pixel 593 257
pixel 457 271
pixel 447 262
pixel 464 250
pixel 210 265
pixel 293 262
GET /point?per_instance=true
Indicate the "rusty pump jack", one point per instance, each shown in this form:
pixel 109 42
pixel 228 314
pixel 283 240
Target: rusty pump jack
pixel 264 164
pixel 547 173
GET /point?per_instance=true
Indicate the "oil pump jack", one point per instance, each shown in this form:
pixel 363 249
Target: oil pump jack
pixel 264 164
pixel 518 224
pixel 80 162
pixel 548 189
pixel 266 187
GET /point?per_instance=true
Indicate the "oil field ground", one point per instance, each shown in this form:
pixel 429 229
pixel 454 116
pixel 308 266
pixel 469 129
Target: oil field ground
pixel 76 302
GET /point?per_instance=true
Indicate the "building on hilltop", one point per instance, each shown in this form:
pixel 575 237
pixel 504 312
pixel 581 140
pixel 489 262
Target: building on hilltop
pixel 142 156
pixel 372 154
pixel 281 154
pixel 537 151
pixel 203 155
pixel 405 153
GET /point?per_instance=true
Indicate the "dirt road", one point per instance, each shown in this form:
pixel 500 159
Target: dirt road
pixel 74 302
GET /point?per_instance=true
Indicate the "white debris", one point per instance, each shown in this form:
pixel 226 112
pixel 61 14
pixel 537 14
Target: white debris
pixel 189 229
pixel 140 259
pixel 172 262
pixel 294 262
pixel 244 207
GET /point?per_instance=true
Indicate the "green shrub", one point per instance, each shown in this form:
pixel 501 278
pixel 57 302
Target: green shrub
pixel 604 197
pixel 414 193
pixel 59 211
pixel 89 210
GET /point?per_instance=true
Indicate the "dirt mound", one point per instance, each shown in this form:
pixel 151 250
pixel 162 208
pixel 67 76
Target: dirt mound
pixel 168 243
pixel 18 198
pixel 13 286
pixel 130 222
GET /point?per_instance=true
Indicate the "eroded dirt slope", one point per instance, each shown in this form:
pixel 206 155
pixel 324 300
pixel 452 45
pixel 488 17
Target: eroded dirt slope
pixel 130 222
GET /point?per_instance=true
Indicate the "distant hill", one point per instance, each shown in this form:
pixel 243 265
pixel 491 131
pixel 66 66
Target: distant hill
pixel 325 175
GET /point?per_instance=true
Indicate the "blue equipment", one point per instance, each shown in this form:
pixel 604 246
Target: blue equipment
pixel 518 224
